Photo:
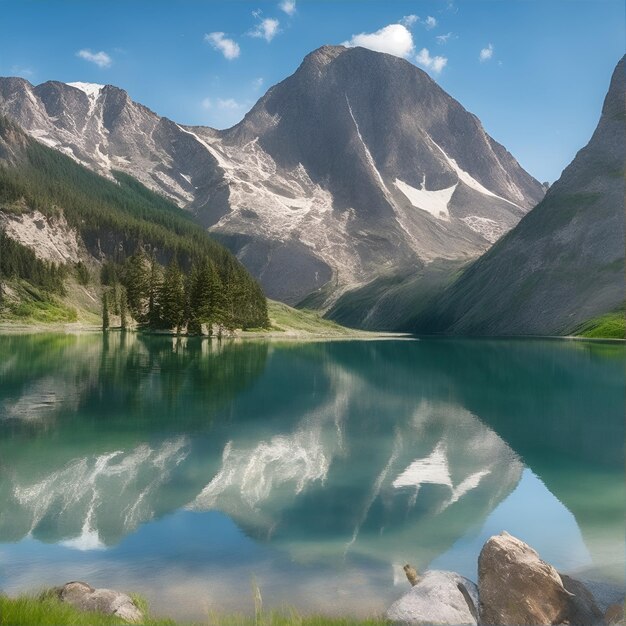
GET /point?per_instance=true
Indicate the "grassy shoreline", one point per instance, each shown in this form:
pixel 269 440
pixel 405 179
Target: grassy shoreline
pixel 46 610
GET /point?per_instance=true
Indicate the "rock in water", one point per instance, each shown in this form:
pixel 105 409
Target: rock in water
pixel 517 588
pixel 85 598
pixel 438 598
pixel 583 609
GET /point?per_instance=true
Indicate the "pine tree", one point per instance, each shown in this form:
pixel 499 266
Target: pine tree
pixel 136 274
pixel 105 311
pixel 172 298
pixel 123 310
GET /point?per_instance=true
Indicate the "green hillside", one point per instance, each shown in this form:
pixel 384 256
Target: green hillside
pixel 124 227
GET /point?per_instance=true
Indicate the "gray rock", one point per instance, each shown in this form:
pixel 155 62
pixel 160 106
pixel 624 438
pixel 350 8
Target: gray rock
pixel 583 610
pixel 85 598
pixel 438 598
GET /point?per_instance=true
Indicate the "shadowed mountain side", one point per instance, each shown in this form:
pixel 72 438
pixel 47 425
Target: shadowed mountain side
pixel 563 264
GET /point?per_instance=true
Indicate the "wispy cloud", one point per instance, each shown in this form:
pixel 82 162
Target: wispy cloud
pixel 101 59
pixel 443 39
pixel 394 39
pixel 434 64
pixel 257 83
pixel 266 29
pixel 486 53
pixel 288 6
pixel 410 20
pixel 223 104
pixel 228 47
pixel 18 70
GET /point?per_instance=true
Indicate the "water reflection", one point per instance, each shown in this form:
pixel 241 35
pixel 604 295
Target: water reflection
pixel 321 466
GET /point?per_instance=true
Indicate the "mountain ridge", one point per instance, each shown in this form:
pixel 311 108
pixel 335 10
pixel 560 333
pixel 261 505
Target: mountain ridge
pixel 357 165
pixel 563 264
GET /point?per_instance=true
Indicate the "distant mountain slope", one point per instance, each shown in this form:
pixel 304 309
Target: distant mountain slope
pixel 356 167
pixel 563 264
pixel 68 215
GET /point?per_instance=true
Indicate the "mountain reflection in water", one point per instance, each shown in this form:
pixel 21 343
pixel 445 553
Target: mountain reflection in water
pixel 182 468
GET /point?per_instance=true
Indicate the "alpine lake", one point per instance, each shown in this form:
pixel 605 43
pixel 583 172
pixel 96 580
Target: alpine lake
pixel 191 470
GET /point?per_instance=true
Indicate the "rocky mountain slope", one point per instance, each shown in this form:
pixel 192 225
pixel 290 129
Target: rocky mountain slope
pixel 563 264
pixel 61 222
pixel 355 167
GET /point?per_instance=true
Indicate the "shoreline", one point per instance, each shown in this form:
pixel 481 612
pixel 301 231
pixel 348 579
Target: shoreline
pixel 77 328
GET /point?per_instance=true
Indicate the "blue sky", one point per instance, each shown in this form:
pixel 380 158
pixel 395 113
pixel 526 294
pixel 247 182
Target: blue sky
pixel 534 71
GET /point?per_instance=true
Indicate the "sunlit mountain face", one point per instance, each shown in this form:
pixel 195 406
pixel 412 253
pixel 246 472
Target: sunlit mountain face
pixel 184 469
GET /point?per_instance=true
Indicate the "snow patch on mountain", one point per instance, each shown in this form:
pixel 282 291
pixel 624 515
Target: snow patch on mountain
pixel 92 90
pixel 434 202
pixel 468 179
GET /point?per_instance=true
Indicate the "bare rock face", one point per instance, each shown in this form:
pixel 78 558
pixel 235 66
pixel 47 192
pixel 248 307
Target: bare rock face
pixel 582 605
pixel 438 598
pixel 517 588
pixel 85 598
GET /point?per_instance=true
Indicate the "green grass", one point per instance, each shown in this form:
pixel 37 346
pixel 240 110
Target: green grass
pixel 49 611
pixel 286 318
pixel 609 326
pixel 27 304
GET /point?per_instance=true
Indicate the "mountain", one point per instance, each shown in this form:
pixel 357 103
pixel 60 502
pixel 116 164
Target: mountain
pixel 563 264
pixel 356 167
pixel 60 221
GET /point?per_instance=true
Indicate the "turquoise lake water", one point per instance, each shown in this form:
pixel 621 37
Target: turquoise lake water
pixel 184 470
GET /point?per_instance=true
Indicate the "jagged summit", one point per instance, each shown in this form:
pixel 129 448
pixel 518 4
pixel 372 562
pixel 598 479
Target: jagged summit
pixel 357 165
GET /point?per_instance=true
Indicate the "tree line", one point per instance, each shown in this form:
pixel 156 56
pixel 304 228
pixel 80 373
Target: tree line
pixel 202 300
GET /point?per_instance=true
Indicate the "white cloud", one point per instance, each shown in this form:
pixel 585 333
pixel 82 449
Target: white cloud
pixel 228 47
pixel 430 22
pixel 257 83
pixel 434 64
pixel 266 29
pixel 486 53
pixel 288 6
pixel 101 59
pixel 443 39
pixel 394 39
pixel 222 104
pixel 409 20
pixel 18 70
pixel 229 104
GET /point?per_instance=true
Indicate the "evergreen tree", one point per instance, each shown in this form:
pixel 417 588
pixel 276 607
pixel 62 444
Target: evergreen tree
pixel 137 270
pixel 172 298
pixel 123 310
pixel 105 311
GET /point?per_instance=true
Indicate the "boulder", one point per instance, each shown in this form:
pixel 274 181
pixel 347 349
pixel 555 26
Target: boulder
pixel 517 588
pixel 583 610
pixel 437 598
pixel 85 598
